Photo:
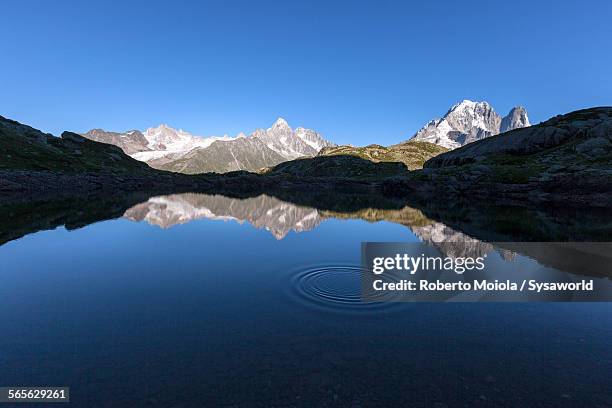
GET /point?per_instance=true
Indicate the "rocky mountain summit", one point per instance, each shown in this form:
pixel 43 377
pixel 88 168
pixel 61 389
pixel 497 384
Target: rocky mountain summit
pixel 130 142
pixel 290 143
pixel 469 121
pixel 166 148
pixel 516 119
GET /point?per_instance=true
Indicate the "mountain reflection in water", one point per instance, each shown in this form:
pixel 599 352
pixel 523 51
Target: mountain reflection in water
pixel 263 211
pixel 457 229
pixel 219 314
pixel 280 217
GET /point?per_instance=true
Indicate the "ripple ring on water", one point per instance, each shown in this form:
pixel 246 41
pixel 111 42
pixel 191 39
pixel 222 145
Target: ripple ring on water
pixel 336 286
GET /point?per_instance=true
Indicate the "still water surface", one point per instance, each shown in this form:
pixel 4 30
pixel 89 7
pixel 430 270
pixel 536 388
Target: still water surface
pixel 193 300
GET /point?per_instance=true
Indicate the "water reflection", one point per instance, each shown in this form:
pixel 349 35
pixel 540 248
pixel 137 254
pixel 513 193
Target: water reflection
pixel 280 217
pixel 480 228
pixel 266 212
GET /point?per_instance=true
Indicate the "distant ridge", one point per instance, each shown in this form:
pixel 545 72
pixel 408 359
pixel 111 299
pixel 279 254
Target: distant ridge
pixel 166 148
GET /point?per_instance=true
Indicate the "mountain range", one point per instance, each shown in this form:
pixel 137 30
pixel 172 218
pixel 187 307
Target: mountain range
pixel 166 148
pixel 565 159
pixel 469 121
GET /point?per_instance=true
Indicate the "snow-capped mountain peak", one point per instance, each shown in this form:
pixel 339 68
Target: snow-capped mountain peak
pixel 464 104
pixel 164 136
pixel 312 138
pixel 165 140
pixel 470 104
pixel 280 124
pixel 468 121
pixel 291 143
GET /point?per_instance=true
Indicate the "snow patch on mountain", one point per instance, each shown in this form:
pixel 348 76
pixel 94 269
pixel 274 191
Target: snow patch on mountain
pixel 164 140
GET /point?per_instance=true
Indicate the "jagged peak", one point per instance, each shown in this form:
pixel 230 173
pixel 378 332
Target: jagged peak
pixel 164 127
pixel 280 123
pixel 518 115
pixel 467 103
pixel 161 126
pixel 469 108
pixel 519 108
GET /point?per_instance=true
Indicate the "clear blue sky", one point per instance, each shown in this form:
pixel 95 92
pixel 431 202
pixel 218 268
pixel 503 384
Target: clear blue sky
pixel 359 72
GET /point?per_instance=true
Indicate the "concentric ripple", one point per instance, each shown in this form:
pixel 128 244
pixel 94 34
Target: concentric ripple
pixel 337 287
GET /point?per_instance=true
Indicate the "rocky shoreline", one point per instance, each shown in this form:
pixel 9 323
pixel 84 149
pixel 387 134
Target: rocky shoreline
pixel 27 185
pixel 570 191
